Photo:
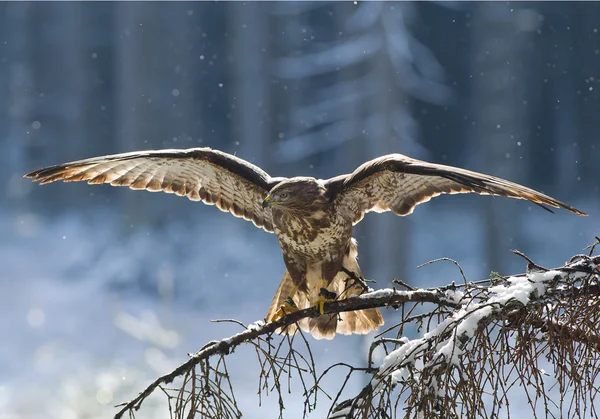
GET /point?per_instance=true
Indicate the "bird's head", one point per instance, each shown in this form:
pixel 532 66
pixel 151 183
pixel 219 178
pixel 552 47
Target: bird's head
pixel 300 193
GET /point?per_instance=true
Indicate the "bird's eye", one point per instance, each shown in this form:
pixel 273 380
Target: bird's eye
pixel 283 195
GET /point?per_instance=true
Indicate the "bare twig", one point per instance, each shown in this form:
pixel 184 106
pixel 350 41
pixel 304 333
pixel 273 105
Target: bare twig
pixel 449 260
pixel 592 246
pixel 531 264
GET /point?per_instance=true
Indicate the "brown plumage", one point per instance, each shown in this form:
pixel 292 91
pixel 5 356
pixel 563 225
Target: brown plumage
pixel 312 218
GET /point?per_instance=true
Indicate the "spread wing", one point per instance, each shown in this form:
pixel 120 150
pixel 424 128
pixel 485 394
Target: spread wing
pixel 201 174
pixel 398 183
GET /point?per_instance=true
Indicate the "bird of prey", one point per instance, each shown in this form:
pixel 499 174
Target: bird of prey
pixel 311 218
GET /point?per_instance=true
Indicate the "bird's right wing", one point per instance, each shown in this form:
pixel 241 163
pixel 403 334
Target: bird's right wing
pixel 399 183
pixel 201 174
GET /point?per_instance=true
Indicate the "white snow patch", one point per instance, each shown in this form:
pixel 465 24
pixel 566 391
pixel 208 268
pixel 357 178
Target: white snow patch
pixel 256 325
pixel 406 360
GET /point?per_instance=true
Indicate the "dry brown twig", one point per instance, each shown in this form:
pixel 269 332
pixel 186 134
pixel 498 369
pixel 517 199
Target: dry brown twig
pixel 477 343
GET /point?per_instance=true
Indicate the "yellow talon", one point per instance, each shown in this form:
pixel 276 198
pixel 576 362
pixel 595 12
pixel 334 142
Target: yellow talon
pixel 325 296
pixel 320 304
pixel 287 307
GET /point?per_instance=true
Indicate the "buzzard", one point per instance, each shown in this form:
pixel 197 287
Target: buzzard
pixel 311 218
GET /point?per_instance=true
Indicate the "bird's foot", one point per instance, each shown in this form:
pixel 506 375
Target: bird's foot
pixel 286 308
pixel 325 296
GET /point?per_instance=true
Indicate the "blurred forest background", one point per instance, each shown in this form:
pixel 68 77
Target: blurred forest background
pixel 103 288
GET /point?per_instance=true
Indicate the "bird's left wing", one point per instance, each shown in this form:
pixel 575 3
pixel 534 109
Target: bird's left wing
pixel 201 174
pixel 399 183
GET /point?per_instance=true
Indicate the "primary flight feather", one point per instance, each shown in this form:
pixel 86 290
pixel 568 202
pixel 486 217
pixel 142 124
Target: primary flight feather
pixel 312 218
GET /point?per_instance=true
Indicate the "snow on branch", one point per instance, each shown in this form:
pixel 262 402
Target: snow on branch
pixel 542 300
pixel 476 342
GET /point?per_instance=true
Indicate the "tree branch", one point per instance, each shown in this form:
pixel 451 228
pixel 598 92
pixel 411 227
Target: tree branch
pixel 560 303
pixel 535 300
pixel 380 298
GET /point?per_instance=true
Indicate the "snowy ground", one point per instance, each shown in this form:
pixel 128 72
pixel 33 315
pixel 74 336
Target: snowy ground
pixel 89 315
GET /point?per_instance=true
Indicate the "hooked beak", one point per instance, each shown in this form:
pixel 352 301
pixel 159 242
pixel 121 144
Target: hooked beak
pixel 267 202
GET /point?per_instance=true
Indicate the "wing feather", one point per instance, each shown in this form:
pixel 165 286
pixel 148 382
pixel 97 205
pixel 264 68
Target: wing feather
pixel 201 174
pixel 398 183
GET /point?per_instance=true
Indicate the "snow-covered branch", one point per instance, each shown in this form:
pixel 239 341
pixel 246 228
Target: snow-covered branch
pixel 542 300
pixel 477 341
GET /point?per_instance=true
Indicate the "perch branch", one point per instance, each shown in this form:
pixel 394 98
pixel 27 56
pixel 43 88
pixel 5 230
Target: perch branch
pixel 464 305
pixel 381 298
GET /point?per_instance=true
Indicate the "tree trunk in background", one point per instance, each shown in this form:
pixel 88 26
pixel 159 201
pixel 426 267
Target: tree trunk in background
pixel 33 90
pixel 165 98
pixel 249 24
pixel 179 76
pixel 132 114
pixel 499 117
pixel 584 78
pixel 18 81
pixel 155 98
pixel 555 163
pixel 385 246
pixel 289 93
pixel 5 174
pixel 57 23
pixel 571 147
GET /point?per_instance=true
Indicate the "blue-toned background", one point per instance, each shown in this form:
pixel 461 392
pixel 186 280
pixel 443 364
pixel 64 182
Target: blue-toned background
pixel 101 289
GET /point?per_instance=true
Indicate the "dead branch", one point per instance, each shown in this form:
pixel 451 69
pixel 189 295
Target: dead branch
pixel 382 298
pixel 480 340
pixel 546 314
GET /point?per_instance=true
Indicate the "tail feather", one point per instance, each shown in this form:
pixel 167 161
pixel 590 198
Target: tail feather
pixel 283 291
pixel 327 325
pixel 359 322
pixel 322 327
pixel 353 322
pixel 346 323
